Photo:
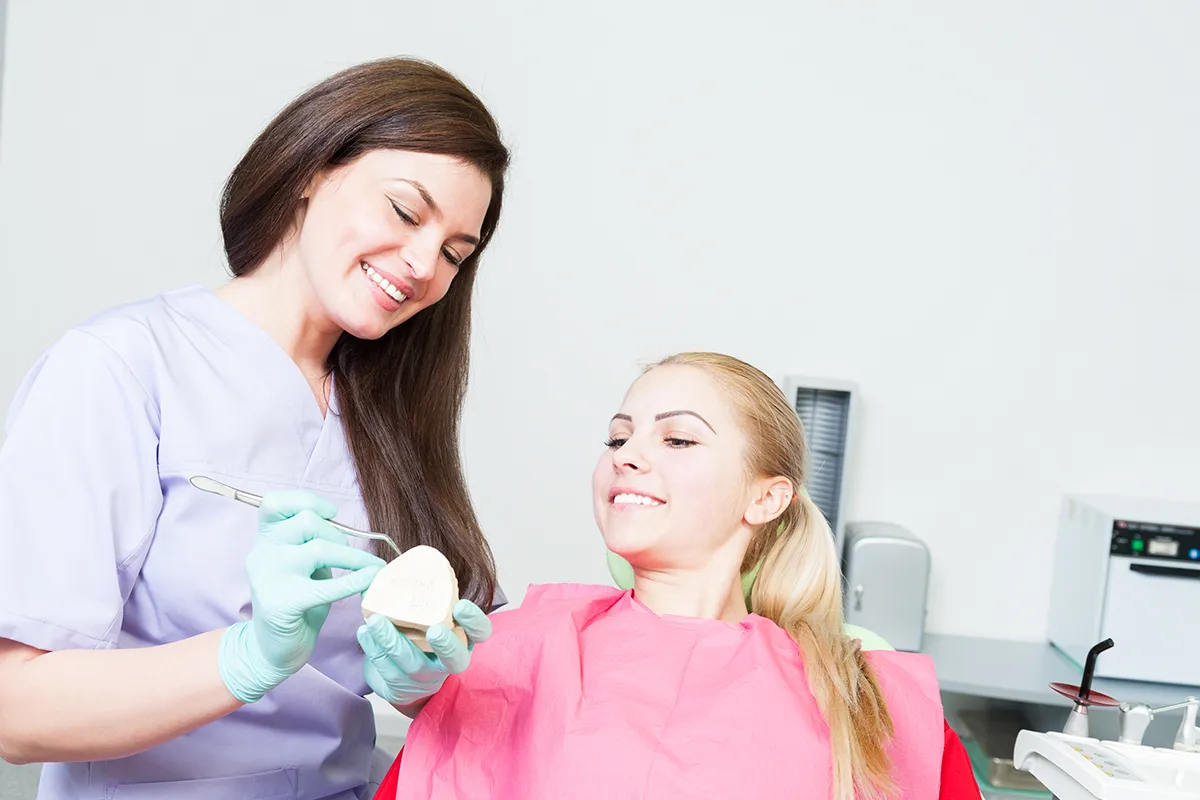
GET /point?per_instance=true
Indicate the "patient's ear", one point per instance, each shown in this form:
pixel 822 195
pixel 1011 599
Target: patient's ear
pixel 768 499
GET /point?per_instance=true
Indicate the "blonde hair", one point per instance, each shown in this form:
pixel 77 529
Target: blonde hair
pixel 799 583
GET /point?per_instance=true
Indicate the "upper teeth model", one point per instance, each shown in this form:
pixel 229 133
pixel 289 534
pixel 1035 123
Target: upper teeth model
pixel 638 499
pixel 384 284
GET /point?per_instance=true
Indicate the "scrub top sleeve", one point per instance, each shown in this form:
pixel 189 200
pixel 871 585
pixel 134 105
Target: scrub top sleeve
pixel 79 496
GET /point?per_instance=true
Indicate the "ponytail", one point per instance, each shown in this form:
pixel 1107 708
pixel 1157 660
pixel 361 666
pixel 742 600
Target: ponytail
pixel 798 587
pixel 798 582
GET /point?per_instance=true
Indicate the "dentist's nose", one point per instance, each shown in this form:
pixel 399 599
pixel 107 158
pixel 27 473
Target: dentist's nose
pixel 421 254
pixel 421 266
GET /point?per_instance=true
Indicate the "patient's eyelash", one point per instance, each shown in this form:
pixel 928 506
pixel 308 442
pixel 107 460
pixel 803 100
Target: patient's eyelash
pixel 672 441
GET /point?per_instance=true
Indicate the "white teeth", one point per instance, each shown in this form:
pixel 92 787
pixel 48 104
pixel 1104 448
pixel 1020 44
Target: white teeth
pixel 635 499
pixel 384 284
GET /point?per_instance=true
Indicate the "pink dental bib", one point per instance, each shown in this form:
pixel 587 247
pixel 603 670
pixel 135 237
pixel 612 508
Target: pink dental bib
pixel 585 693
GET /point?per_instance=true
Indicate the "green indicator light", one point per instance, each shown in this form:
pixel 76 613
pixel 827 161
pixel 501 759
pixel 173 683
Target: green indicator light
pixel 1138 545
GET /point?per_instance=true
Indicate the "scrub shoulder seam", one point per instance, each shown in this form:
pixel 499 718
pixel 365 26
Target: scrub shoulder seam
pixel 117 355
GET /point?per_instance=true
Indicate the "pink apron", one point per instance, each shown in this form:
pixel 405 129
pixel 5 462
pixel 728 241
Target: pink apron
pixel 585 693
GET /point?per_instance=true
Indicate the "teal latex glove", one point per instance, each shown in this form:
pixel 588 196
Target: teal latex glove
pixel 291 590
pixel 401 673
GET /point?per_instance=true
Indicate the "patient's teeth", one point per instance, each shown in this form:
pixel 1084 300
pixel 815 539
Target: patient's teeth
pixel 635 499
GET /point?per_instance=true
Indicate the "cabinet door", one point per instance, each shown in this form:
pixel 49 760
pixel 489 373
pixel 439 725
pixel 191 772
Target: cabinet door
pixel 1149 613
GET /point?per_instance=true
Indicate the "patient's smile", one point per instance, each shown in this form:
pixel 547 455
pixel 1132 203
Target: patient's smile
pixel 632 498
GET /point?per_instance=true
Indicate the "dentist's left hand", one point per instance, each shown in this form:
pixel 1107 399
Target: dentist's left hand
pixel 401 673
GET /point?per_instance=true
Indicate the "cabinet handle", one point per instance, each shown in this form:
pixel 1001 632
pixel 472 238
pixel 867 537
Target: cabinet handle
pixel 1168 572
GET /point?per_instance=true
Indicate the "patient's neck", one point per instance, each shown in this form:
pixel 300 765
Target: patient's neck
pixel 714 592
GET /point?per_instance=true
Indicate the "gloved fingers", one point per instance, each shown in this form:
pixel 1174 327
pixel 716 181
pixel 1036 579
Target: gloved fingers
pixel 383 659
pixel 320 553
pixel 410 660
pixel 474 622
pixel 305 526
pixel 325 590
pixel 414 667
pixel 377 684
pixel 378 657
pixel 387 680
pixel 278 506
pixel 448 648
pixel 280 548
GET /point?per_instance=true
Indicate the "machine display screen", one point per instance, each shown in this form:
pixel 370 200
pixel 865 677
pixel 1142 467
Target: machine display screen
pixel 1162 547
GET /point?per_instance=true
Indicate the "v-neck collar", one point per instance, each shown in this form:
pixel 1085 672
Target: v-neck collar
pixel 244 333
pixel 320 435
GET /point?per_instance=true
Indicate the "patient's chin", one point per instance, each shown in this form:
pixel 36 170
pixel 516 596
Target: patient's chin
pixel 630 544
pixel 642 551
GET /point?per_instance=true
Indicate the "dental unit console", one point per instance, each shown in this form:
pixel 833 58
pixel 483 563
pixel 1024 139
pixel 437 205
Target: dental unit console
pixel 1075 766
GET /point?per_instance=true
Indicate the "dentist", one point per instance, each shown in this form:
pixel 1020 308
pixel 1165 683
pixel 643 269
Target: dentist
pixel 158 641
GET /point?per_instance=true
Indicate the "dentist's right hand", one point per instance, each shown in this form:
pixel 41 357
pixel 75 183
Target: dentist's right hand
pixel 291 590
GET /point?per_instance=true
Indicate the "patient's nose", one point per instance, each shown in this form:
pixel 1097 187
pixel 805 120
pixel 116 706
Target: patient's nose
pixel 629 459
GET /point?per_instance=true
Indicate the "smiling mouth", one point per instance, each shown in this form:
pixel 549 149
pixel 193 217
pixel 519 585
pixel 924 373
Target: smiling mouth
pixel 631 499
pixel 383 283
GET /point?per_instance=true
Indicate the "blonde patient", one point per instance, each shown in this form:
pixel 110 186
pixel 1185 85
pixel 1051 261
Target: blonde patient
pixel 676 688
pixel 706 527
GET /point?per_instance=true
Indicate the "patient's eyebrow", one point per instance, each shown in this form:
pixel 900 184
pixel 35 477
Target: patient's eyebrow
pixel 665 414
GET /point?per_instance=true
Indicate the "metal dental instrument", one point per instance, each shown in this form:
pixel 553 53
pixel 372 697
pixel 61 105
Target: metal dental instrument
pixel 207 484
pixel 1136 717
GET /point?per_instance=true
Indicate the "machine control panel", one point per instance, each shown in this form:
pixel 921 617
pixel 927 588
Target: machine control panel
pixel 1155 541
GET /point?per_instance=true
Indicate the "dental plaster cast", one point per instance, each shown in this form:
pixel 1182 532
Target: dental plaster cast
pixel 415 591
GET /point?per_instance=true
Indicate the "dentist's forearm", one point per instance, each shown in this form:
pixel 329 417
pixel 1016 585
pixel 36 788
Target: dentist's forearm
pixel 94 705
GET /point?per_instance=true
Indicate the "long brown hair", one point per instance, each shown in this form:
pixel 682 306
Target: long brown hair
pixel 799 585
pixel 400 396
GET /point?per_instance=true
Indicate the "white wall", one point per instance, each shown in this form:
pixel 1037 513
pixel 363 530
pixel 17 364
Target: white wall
pixel 3 17
pixel 984 214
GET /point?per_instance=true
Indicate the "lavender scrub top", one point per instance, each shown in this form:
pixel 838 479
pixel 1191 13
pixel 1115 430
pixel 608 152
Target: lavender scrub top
pixel 105 544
